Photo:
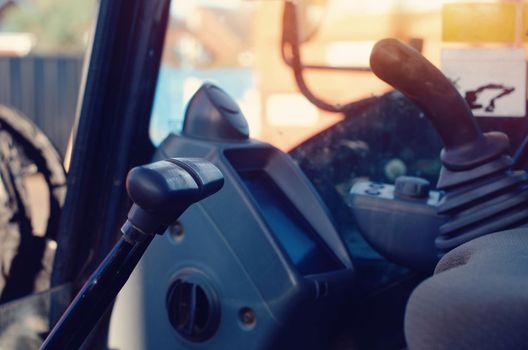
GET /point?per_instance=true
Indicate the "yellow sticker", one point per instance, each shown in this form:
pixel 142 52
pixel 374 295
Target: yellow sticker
pixel 524 34
pixel 479 22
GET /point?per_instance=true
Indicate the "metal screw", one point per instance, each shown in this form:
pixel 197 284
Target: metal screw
pixel 247 317
pixel 176 231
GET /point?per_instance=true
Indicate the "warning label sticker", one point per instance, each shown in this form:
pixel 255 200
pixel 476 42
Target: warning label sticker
pixel 493 81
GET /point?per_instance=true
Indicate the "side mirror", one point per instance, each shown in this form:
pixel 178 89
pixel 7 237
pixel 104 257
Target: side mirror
pixel 300 22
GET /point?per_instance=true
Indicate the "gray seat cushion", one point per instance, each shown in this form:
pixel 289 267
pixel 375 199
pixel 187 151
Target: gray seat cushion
pixel 477 298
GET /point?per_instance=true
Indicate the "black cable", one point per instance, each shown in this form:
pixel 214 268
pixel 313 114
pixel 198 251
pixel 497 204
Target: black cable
pixel 520 158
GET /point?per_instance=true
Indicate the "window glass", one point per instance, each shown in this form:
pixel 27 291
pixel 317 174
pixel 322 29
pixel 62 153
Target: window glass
pixel 236 44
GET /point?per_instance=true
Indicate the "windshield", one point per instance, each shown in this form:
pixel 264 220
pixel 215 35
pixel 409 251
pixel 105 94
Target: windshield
pixel 236 44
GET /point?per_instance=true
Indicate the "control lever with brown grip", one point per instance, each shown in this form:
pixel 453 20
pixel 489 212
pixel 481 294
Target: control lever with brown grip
pixel 481 192
pixel 465 146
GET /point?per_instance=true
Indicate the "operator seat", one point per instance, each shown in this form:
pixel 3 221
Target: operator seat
pixel 476 299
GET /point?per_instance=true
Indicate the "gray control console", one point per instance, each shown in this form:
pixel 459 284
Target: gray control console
pixel 400 221
pixel 258 266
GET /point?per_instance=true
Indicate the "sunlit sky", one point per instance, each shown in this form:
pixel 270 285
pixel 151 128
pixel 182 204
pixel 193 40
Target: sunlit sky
pixel 180 8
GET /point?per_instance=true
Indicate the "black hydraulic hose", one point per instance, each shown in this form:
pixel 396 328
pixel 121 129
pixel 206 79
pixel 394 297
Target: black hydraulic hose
pixel 39 149
pixel 23 141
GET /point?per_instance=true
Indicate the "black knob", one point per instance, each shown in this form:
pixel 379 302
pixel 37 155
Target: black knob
pixel 161 191
pixel 410 187
pixel 408 71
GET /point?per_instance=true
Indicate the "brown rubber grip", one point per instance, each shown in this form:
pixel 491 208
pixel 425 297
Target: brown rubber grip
pixel 408 71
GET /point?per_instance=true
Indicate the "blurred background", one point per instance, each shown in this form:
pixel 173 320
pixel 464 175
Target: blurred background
pixel 235 43
pixel 42 44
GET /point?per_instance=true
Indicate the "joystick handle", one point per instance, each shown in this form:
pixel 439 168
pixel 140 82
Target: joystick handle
pixel 163 190
pixel 408 71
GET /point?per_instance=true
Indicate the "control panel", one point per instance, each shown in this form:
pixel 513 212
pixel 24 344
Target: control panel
pixel 400 221
pixel 259 265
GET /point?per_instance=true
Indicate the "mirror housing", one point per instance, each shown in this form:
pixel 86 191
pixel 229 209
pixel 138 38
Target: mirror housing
pixel 310 15
pixel 300 22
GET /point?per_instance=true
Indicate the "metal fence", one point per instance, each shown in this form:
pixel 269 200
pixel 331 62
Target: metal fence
pixel 44 88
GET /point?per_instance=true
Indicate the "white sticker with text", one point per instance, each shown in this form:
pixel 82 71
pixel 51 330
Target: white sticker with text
pixel 493 81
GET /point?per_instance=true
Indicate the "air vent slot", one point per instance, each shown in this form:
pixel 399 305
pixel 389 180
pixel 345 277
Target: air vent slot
pixel 192 306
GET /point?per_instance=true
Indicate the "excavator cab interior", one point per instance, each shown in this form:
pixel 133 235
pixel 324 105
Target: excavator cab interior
pixel 312 174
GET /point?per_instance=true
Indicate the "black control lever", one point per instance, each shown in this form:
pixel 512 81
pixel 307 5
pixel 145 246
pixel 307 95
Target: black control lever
pixel 483 193
pixel 408 71
pixel 161 192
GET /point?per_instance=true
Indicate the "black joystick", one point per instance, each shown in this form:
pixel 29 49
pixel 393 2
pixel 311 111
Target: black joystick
pixel 482 192
pixel 161 192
